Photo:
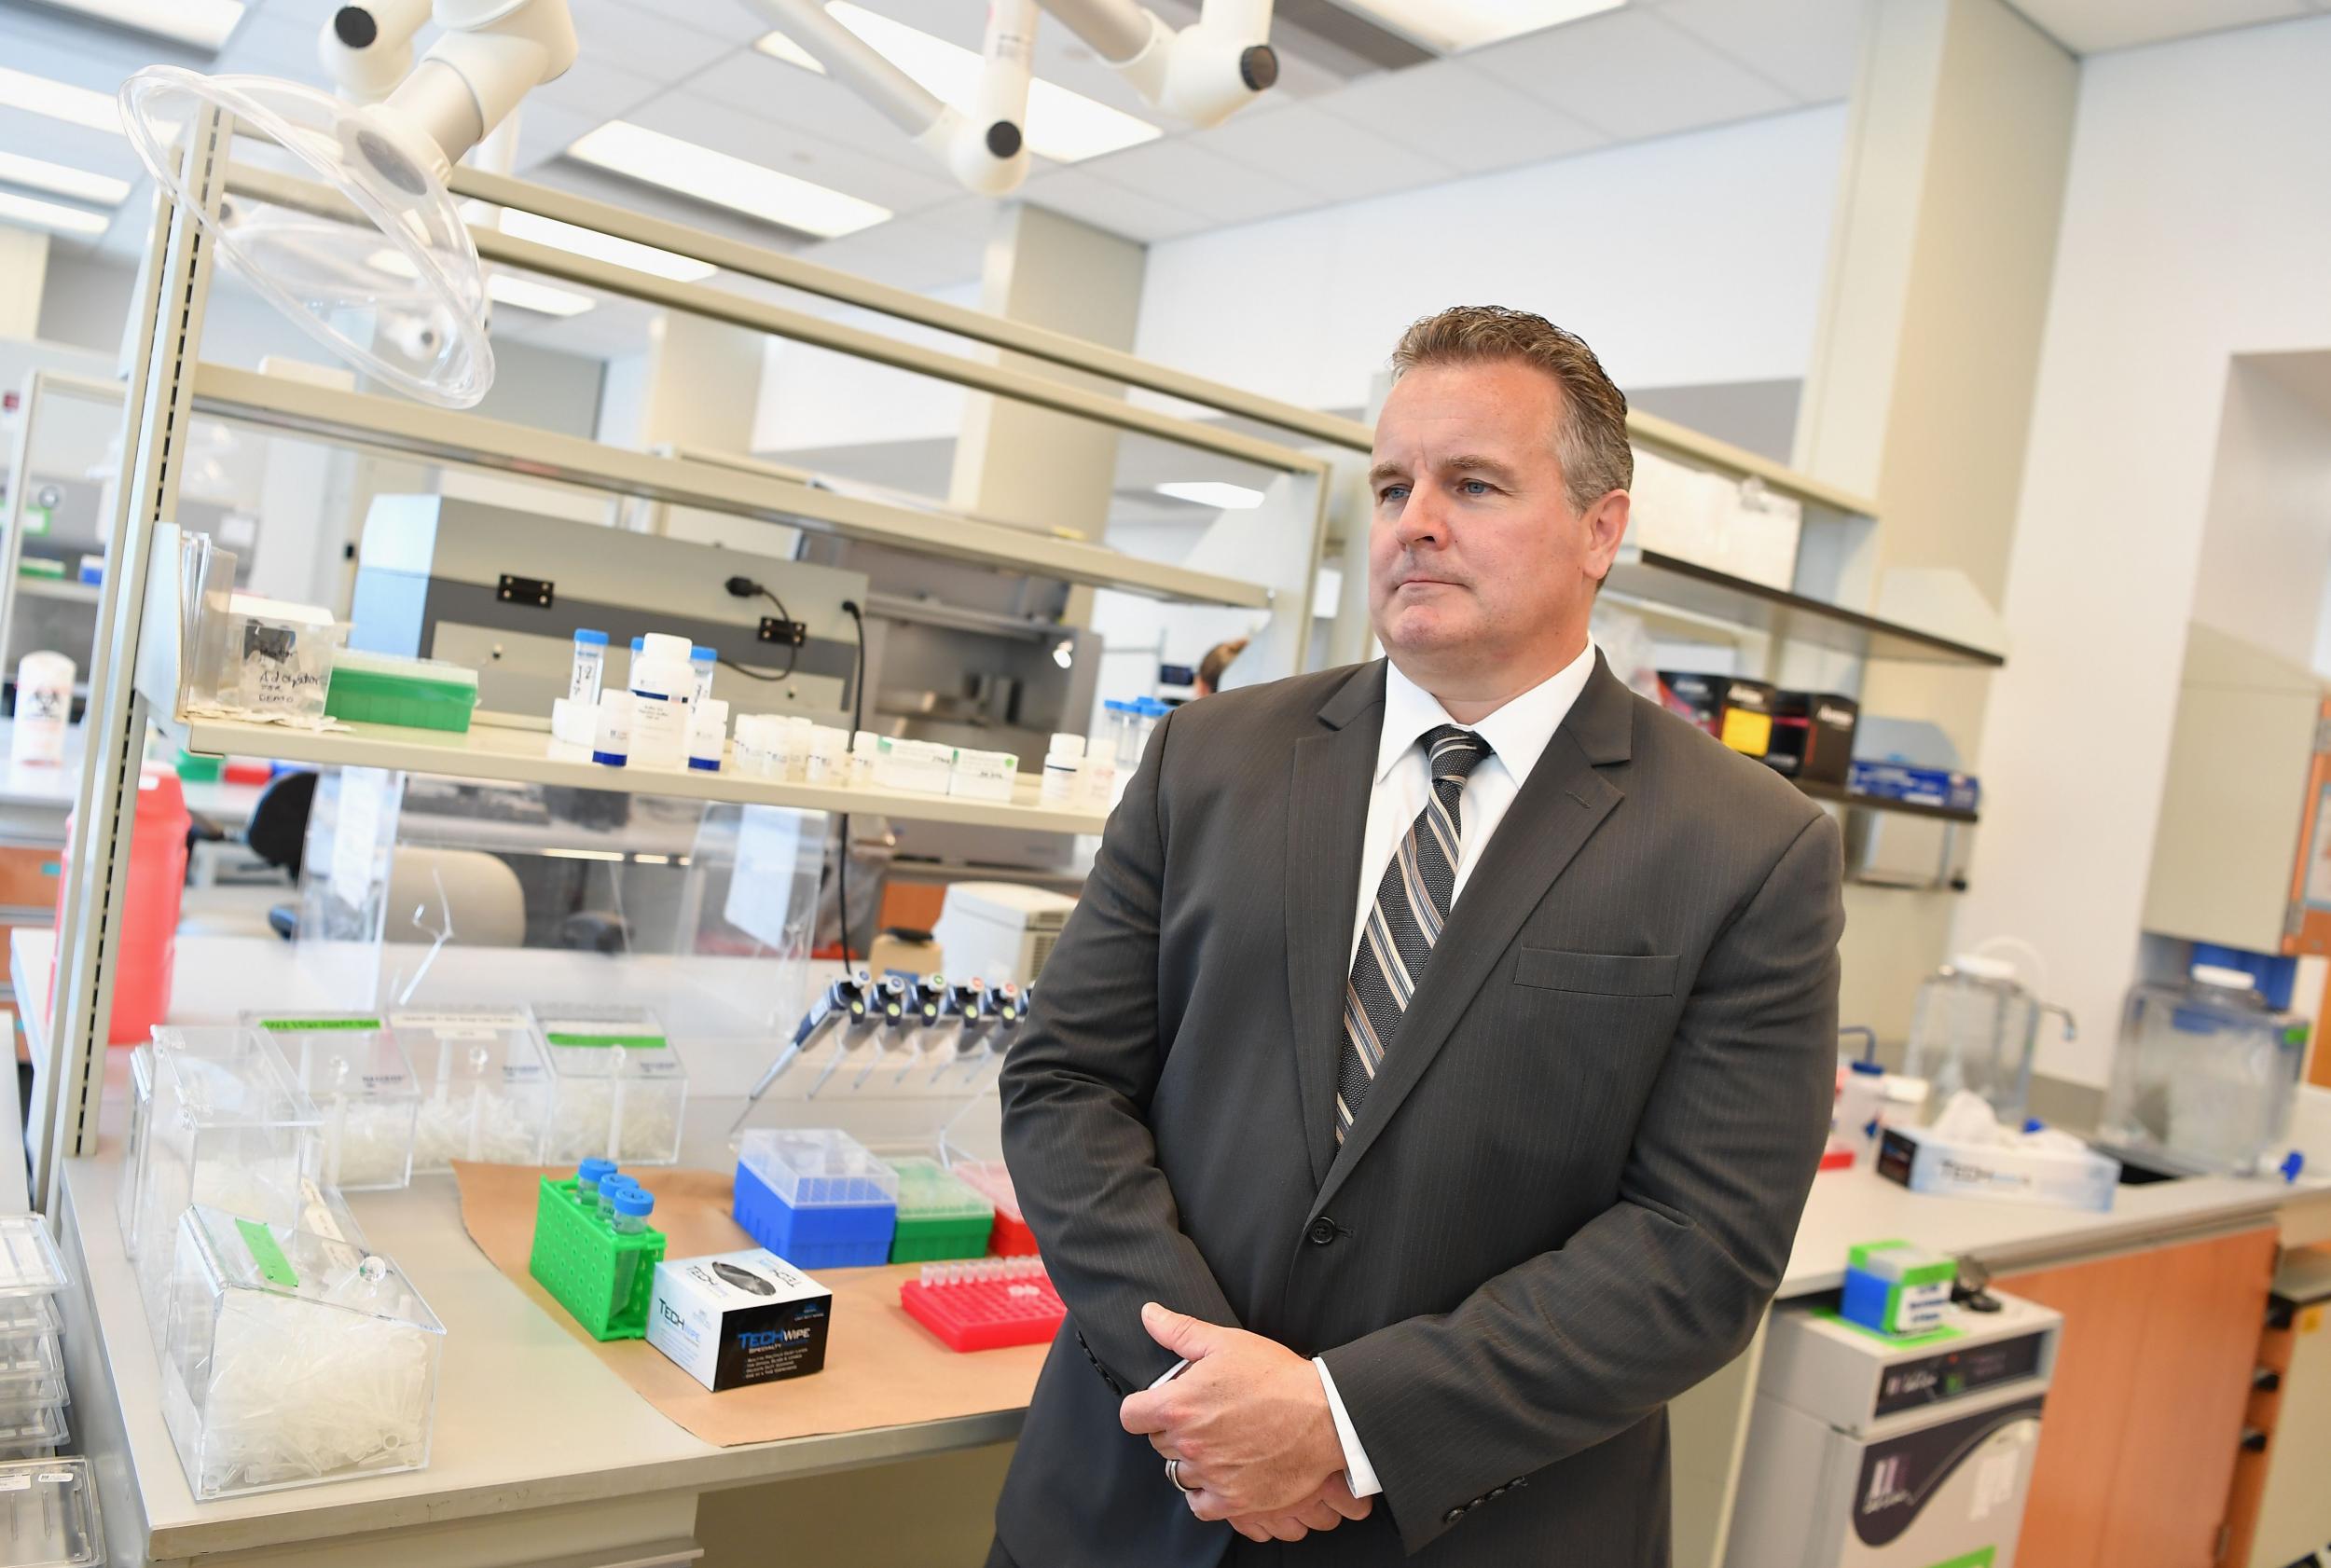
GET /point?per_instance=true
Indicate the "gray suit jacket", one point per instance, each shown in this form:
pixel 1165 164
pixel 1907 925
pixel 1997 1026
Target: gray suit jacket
pixel 1568 1196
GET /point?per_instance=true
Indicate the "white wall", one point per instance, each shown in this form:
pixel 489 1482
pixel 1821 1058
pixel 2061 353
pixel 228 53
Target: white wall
pixel 2196 227
pixel 2265 556
pixel 1691 260
pixel 815 397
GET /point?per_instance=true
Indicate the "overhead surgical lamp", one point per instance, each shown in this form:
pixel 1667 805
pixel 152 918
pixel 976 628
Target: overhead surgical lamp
pixel 1202 73
pixel 409 311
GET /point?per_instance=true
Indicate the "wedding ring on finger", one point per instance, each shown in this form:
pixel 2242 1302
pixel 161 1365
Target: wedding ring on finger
pixel 1173 1474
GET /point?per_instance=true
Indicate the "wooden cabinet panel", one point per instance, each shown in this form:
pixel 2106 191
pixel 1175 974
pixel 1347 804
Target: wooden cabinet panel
pixel 2209 1302
pixel 2134 1469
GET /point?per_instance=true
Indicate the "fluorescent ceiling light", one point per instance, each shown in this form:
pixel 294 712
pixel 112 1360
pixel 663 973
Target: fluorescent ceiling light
pixel 657 159
pixel 49 216
pixel 203 24
pixel 503 287
pixel 1214 493
pixel 604 247
pixel 778 47
pixel 78 105
pixel 60 179
pixel 1063 126
pixel 1451 25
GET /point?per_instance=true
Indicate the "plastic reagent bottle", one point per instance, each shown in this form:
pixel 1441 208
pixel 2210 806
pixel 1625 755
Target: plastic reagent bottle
pixel 612 745
pixel 708 735
pixel 1061 762
pixel 611 1186
pixel 703 661
pixel 661 685
pixel 590 667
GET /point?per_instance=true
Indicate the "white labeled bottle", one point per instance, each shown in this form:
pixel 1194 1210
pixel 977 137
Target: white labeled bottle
pixel 661 684
pixel 44 705
pixel 1062 760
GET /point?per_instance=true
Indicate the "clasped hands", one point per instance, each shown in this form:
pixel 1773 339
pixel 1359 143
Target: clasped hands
pixel 1249 1421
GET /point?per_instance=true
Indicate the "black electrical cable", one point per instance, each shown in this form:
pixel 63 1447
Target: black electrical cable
pixel 727 663
pixel 858 722
pixel 745 587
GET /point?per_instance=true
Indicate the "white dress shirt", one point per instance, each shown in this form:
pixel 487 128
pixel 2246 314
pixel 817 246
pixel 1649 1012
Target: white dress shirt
pixel 1518 734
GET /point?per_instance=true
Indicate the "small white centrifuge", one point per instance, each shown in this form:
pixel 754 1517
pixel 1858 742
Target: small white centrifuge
pixel 1873 1451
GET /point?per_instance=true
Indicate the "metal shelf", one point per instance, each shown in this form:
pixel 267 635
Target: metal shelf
pixel 396 425
pixel 59 587
pixel 1706 594
pixel 1875 802
pixel 525 757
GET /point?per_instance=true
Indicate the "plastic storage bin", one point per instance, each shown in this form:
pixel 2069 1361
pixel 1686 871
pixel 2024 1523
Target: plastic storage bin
pixel 278 657
pixel 618 1088
pixel 1975 1028
pixel 992 1180
pixel 227 1128
pixel 51 1514
pixel 603 1279
pixel 31 1373
pixel 290 1358
pixel 485 1087
pixel 939 1216
pixel 134 1144
pixel 363 1089
pixel 816 1197
pixel 146 959
pixel 2206 1076
pixel 384 689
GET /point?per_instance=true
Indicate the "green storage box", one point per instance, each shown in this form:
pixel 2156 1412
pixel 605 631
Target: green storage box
pixel 193 769
pixel 604 1280
pixel 417 694
pixel 939 1216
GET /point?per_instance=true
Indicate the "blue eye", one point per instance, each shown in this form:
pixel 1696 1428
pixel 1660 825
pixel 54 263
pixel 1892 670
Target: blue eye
pixel 1393 492
pixel 1474 486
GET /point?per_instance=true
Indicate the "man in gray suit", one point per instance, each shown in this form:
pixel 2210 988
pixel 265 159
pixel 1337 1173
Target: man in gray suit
pixel 1427 1084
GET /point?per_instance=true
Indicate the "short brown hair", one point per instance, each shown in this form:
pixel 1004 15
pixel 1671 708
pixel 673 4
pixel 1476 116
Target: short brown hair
pixel 1218 660
pixel 1591 438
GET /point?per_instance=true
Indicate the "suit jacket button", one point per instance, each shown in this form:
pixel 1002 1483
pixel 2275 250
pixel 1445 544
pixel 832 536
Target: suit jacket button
pixel 1322 1230
pixel 1452 1516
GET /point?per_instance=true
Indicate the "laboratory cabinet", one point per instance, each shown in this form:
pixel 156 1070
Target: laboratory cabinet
pixel 2144 1417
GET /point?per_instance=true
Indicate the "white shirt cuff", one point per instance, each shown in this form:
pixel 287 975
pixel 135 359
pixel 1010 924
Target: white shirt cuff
pixel 1170 1373
pixel 1358 1474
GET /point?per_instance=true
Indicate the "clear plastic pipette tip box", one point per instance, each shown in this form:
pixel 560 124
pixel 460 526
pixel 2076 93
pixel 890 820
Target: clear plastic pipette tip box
pixel 351 1067
pixel 290 1358
pixel 52 1518
pixel 619 1088
pixel 485 1085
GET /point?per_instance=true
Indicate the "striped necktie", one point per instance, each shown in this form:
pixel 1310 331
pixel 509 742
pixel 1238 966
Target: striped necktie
pixel 1412 905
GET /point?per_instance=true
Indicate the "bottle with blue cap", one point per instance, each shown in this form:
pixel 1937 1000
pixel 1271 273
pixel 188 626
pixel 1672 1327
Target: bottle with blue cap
pixel 633 1203
pixel 703 661
pixel 590 667
pixel 611 1186
pixel 587 1177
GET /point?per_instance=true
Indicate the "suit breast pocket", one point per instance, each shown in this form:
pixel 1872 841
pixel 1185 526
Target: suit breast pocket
pixel 1596 974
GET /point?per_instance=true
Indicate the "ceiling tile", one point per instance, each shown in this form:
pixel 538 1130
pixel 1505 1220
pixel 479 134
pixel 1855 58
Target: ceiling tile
pixel 545 130
pixel 653 41
pixel 1186 171
pixel 2088 27
pixel 1312 150
pixel 770 90
pixel 732 20
pixel 276 42
pixel 1089 198
pixel 1630 75
pixel 1809 46
pixel 691 117
pixel 595 88
pixel 1467 120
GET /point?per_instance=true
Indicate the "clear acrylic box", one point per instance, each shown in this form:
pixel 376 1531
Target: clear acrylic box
pixel 228 1128
pixel 32 1432
pixel 485 1086
pixel 30 1274
pixel 31 1371
pixel 141 1105
pixel 351 1067
pixel 618 1088
pixel 290 1358
pixel 51 1515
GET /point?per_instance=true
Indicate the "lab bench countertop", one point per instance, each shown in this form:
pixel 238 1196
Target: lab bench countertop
pixel 529 1418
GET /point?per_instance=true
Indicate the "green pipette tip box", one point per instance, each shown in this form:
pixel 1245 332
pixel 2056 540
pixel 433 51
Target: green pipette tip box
pixel 605 1281
pixel 940 1216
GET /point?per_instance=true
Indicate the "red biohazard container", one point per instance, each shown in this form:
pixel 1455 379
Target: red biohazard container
pixel 147 950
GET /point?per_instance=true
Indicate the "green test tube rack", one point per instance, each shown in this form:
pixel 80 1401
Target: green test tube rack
pixel 580 1260
pixel 939 1216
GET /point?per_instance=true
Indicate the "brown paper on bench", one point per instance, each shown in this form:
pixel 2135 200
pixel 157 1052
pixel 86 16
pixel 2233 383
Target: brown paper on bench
pixel 882 1367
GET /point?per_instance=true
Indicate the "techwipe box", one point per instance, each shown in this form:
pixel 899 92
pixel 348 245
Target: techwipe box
pixel 738 1318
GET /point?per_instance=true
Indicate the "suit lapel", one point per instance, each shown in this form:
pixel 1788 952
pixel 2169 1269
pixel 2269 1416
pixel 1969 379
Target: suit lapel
pixel 1332 778
pixel 1561 804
